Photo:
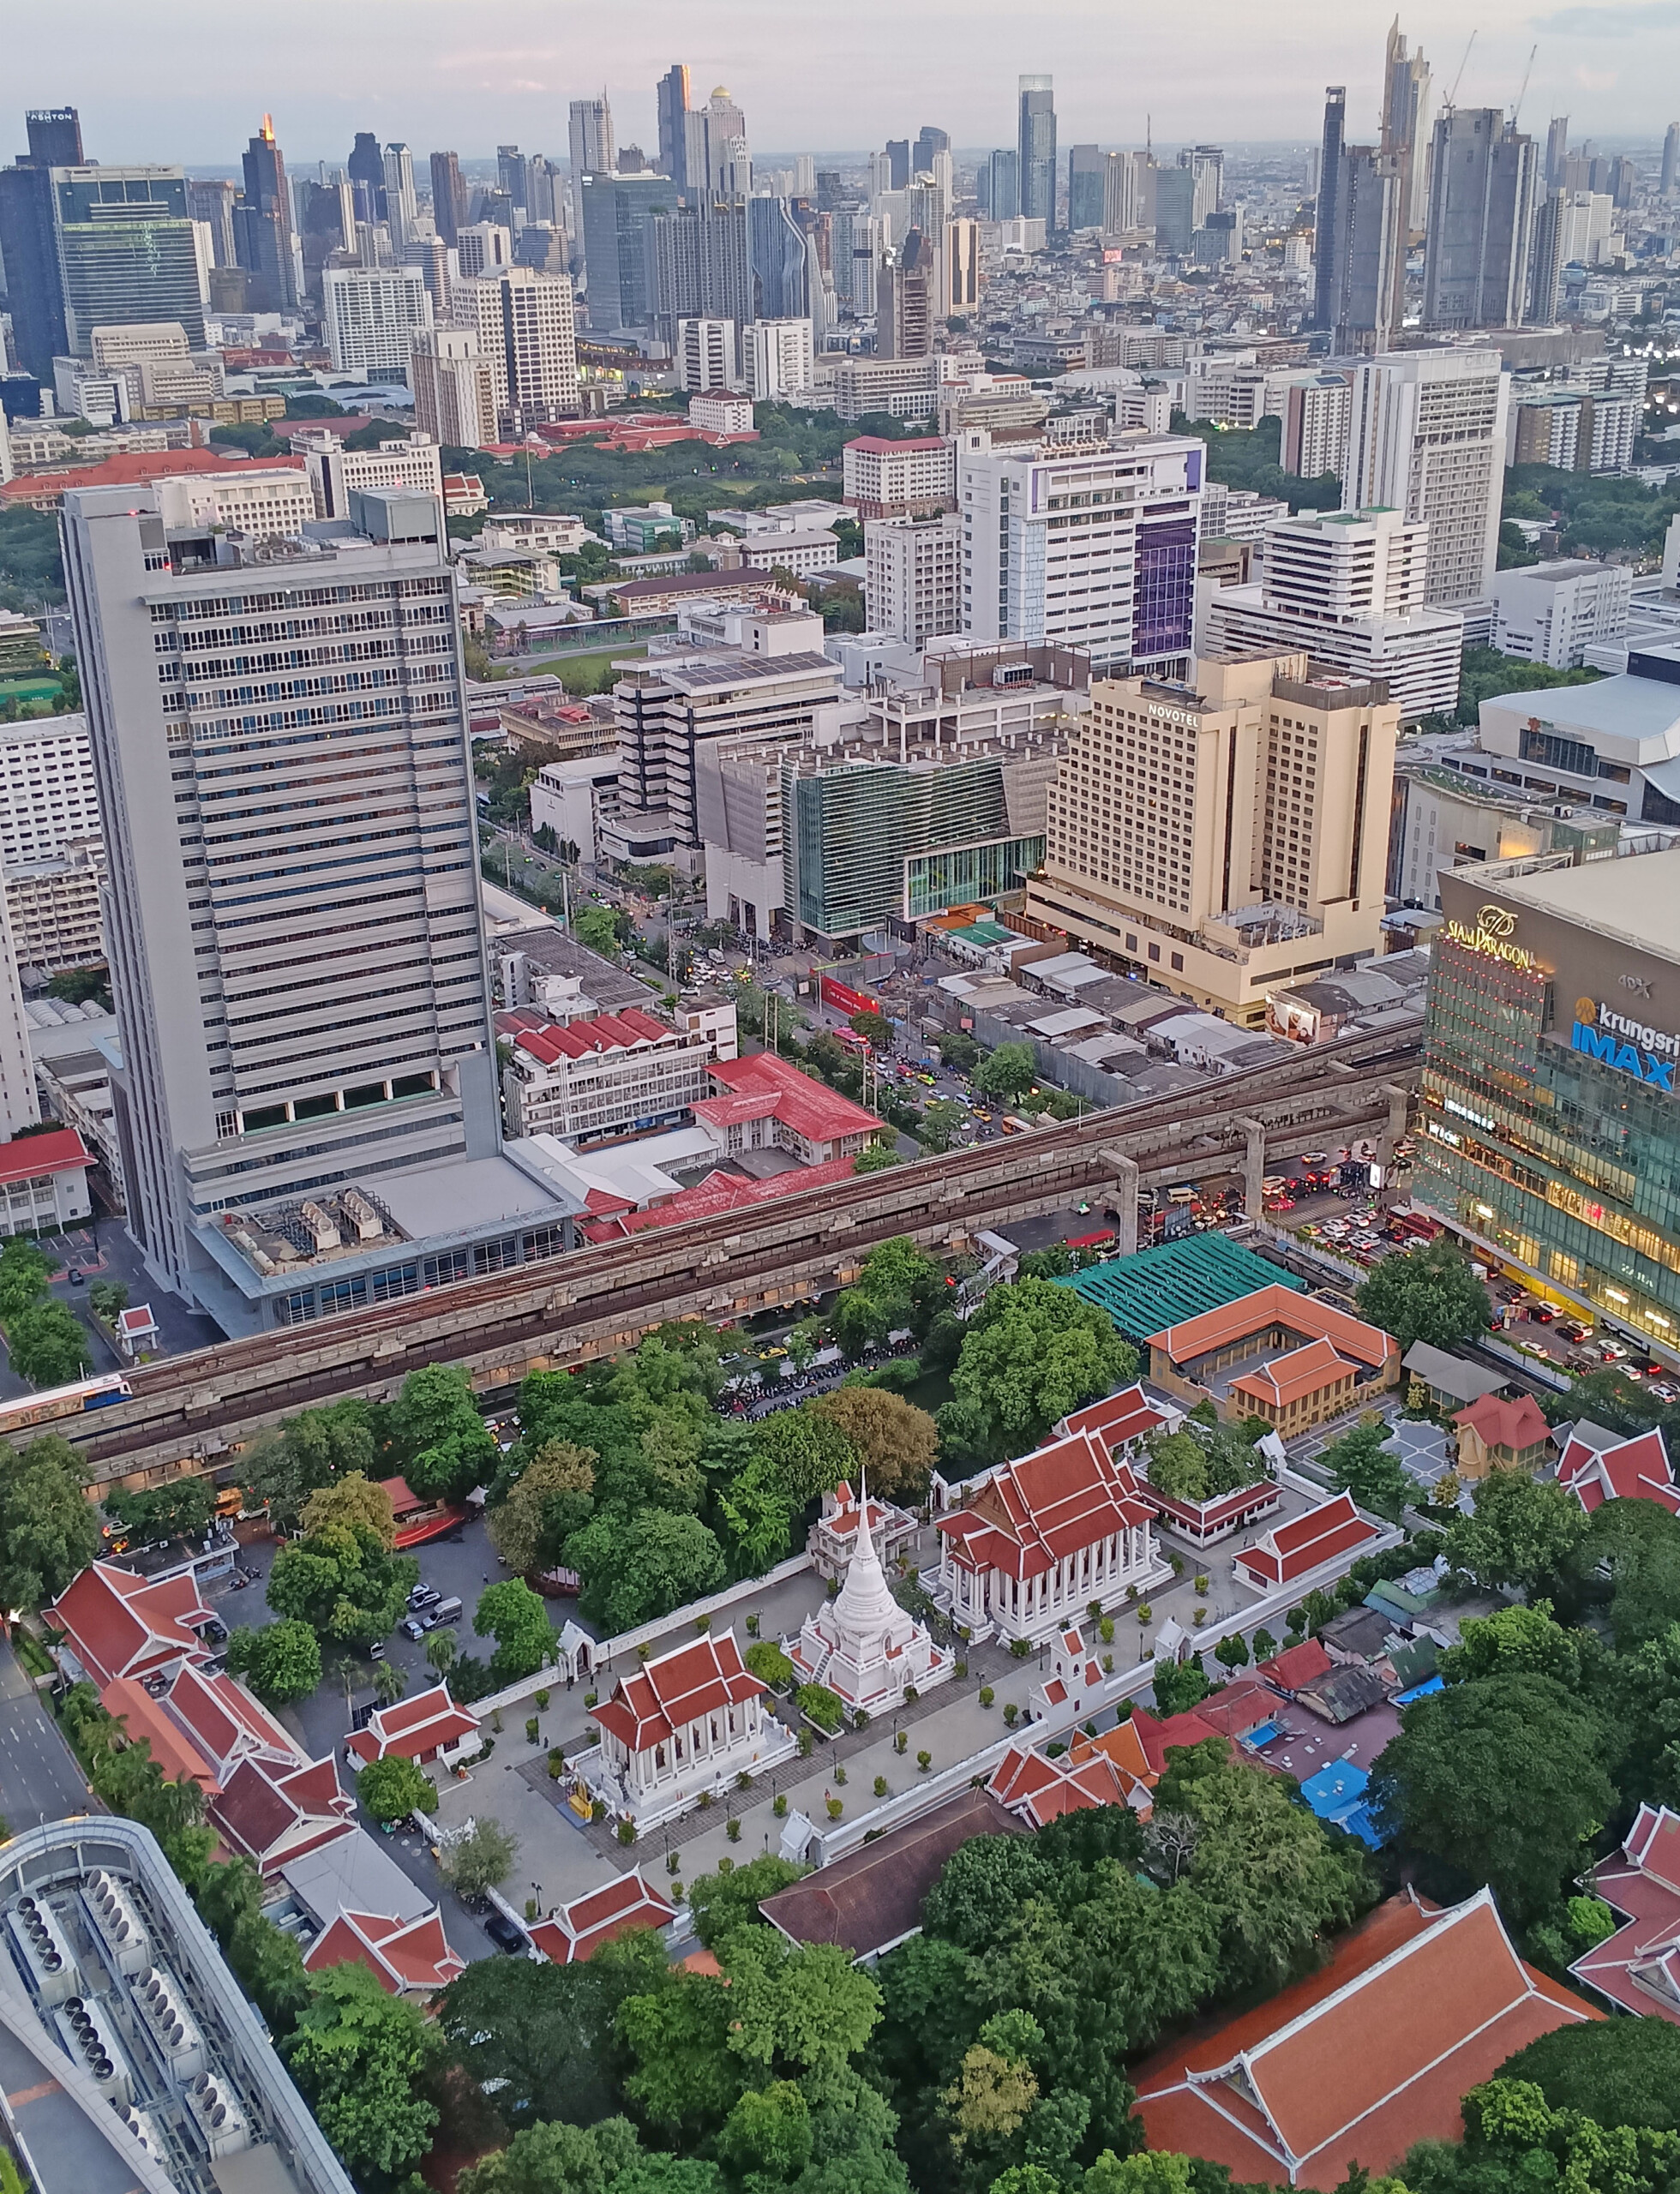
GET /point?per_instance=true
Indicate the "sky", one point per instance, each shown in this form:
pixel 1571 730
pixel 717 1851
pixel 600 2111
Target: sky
pixel 188 81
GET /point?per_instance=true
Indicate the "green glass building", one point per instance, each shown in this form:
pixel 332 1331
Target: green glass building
pixel 126 251
pixel 1551 1122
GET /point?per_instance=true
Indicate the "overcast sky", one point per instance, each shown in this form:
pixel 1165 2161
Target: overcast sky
pixel 188 80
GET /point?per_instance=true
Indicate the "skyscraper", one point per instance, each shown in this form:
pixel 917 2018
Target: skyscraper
pixel 1557 151
pixel 613 221
pixel 1406 128
pixel 683 130
pixel 1671 175
pixel 126 251
pixel 263 240
pixel 1087 180
pixel 1483 177
pixel 728 164
pixel 1426 437
pixel 590 136
pixel 906 301
pixel 302 1004
pixel 1037 149
pixel 512 171
pixel 28 244
pixel 1552 232
pixel 525 324
pixel 929 143
pixel 999 186
pixel 370 316
pixel 366 170
pixel 455 387
pixel 400 202
pixel 775 246
pixel 1174 209
pixel 898 163
pixel 1368 269
pixel 210 201
pixel 449 206
pixel 698 260
pixel 1326 273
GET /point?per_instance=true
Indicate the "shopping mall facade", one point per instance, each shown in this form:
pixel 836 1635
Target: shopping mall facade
pixel 1550 1121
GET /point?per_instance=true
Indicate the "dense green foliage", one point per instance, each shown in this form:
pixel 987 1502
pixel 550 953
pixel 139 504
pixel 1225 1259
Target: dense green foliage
pixel 48 1532
pixel 357 2054
pixel 1617 2072
pixel 1429 1294
pixel 1484 672
pixel 1247 458
pixel 281 1661
pixel 1032 1352
pixel 1201 1461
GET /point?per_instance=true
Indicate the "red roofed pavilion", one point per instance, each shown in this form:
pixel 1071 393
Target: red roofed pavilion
pixel 689 1721
pixel 576 1931
pixel 1630 1470
pixel 1291 1551
pixel 417 1728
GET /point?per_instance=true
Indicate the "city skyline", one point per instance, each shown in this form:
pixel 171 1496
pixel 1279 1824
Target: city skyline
pixel 1602 64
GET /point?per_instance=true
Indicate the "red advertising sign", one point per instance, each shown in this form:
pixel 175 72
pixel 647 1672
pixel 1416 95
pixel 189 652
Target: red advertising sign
pixel 845 999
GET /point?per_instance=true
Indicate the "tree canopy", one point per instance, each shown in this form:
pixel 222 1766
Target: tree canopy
pixel 897 1443
pixel 1429 1293
pixel 345 1582
pixel 1031 1353
pixel 48 1532
pixel 357 2054
pixel 280 1661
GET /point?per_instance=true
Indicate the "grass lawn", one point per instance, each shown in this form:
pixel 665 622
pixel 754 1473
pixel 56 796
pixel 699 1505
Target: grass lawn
pixel 27 689
pixel 580 673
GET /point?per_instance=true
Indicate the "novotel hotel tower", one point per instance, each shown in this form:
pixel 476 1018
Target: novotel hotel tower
pixel 1550 1116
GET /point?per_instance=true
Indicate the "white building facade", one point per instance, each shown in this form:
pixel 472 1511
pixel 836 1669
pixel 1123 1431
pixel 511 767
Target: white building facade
pixel 689 1722
pixel 705 356
pixel 1426 437
pixel 372 315
pixel 912 478
pixel 913 576
pixel 777 359
pixel 1553 612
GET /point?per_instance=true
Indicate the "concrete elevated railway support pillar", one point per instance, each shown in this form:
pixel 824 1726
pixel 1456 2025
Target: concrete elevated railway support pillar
pixel 1399 1117
pixel 1254 1168
pixel 1124 1172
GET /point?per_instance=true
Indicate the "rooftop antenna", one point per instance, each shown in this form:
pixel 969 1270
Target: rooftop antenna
pixel 1452 97
pixel 1522 91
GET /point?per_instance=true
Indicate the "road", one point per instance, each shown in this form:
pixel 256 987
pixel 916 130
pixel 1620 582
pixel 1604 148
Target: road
pixel 39 1779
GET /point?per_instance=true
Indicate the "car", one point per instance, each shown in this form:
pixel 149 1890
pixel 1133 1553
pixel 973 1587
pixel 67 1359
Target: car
pixel 1612 1351
pixel 1542 1314
pixel 376 1651
pixel 424 1596
pixel 506 1934
pixel 1571 1329
pixel 1313 1157
pixel 1666 1390
pixel 412 1628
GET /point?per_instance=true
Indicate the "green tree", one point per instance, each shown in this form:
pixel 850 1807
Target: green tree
pixel 897 1443
pixel 24 1274
pixel 1360 1463
pixel 1522 1533
pixel 942 1124
pixel 355 1500
pixel 756 1516
pixel 600 929
pixel 442 1649
pixel 1516 1641
pixel 182 1509
pixel 768 2133
pixel 1179 1686
pixel 48 1532
pixel 47 1345
pixel 266 1961
pixel 1429 1294
pixel 807 1451
pixel 1232 1652
pixel 344 1583
pixel 553 1496
pixel 358 2055
pixel 1627 1555
pixel 1615 2072
pixel 446 1447
pixel 314 1449
pixel 281 1661
pixel 518 1620
pixel 875 1030
pixel 393 1788
pixel 1008 1072
pixel 636 1567
pixel 722 1902
pixel 1502 1779
pixel 1032 1352
pixel 482 1858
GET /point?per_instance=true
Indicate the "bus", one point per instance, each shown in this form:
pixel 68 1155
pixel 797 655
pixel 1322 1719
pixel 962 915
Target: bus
pixel 53 1402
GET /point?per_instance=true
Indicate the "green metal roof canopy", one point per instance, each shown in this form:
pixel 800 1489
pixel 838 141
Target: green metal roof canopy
pixel 1164 1286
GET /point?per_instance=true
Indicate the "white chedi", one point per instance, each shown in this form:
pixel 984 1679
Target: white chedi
pixel 866 1649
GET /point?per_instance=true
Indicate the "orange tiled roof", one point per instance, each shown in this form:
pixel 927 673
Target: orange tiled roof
pixel 1230 1323
pixel 1306 1371
pixel 1515 1424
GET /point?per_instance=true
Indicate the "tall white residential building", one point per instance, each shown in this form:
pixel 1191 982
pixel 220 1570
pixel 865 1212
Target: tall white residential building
pixel 484 248
pixel 1093 549
pixel 526 328
pixel 1346 588
pixel 455 387
pixel 400 202
pixel 1553 612
pixel 20 1105
pixel 1316 408
pixel 335 472
pixel 912 577
pixel 1426 437
pixel 373 314
pixel 911 478
pixel 295 932
pixel 776 358
pixel 705 356
pixel 51 852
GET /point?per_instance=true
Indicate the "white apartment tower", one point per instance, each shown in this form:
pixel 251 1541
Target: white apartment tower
pixel 1426 437
pixel 705 356
pixel 293 910
pixel 1095 549
pixel 912 577
pixel 51 846
pixel 776 358
pixel 373 314
pixel 526 328
pixel 399 200
pixel 454 388
pixel 484 248
pixel 20 1106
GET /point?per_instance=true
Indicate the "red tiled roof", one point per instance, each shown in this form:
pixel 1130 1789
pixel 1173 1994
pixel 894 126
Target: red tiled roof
pixel 579 1929
pixel 605 1032
pixel 1639 1966
pixel 1305 1370
pixel 413 1728
pixel 668 1693
pixel 401 1955
pixel 1291 1550
pixel 61 1152
pixel 274 1817
pixel 763 1087
pixel 1361 2059
pixel 1117 1419
pixel 1230 1322
pixel 172 1746
pixel 881 445
pixel 118 1625
pixel 1033 1511
pixel 719 1192
pixel 1514 1423
pixel 1633 1470
pixel 1297 1665
pixel 138 466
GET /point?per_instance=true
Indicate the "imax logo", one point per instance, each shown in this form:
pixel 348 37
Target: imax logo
pixel 1644 1066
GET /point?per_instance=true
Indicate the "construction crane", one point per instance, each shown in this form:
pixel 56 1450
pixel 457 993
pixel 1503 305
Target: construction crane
pixel 1523 89
pixel 1451 99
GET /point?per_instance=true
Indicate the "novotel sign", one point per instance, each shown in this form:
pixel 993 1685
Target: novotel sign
pixel 1490 934
pixel 1184 717
pixel 1649 1055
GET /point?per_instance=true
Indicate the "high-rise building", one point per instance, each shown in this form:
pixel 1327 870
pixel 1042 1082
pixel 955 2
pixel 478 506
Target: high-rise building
pixel 1671 171
pixel 929 144
pixel 705 355
pixel 1406 128
pixel 728 162
pixel 898 163
pixel 1546 260
pixel 210 201
pixel 1315 424
pixel 399 199
pixel 1087 187
pixel 512 172
pixel 999 186
pixel 366 170
pixel 699 261
pixel 1219 835
pixel 263 240
pixel 1325 262
pixel 1037 149
pixel 526 328
pixel 454 388
pixel 1093 549
pixel 1174 210
pixel 961 269
pixel 1556 151
pixel 613 212
pixel 481 246
pixel 907 301
pixel 1426 437
pixel 776 248
pixel 19 1103
pixel 28 238
pixel 1550 1139
pixel 1368 272
pixel 777 359
pixel 304 1006
pixel 1346 588
pixel 912 577
pixel 448 196
pixel 683 131
pixel 1483 178
pixel 126 251
pixel 371 315
pixel 590 136
pixel 1207 165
